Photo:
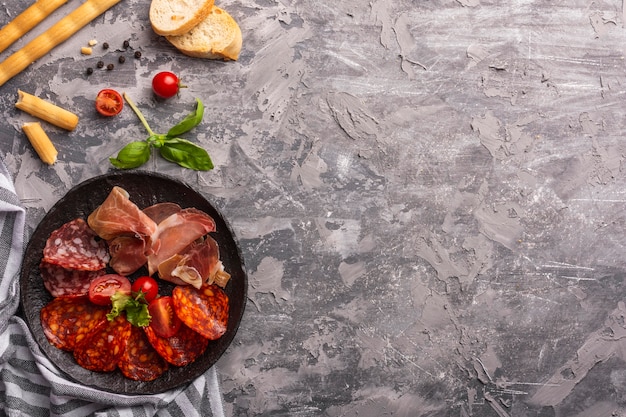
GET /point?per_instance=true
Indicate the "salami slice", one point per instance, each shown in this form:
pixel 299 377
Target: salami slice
pixel 103 347
pixel 66 321
pixel 74 246
pixel 61 282
pixel 204 310
pixel 181 349
pixel 140 361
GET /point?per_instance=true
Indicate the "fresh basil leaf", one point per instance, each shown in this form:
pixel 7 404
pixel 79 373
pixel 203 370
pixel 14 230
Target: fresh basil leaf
pixel 186 154
pixel 171 147
pixel 189 122
pixel 132 155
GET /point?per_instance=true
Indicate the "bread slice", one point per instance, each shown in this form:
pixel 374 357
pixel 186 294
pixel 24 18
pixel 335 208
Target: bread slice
pixel 176 17
pixel 218 36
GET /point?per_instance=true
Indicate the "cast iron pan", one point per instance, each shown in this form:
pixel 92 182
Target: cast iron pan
pixel 145 189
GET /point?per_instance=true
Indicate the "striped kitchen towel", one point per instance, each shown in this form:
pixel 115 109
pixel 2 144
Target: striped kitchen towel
pixel 30 385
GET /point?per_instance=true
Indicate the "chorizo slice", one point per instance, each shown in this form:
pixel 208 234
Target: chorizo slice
pixel 140 361
pixel 61 282
pixel 103 347
pixel 181 349
pixel 204 310
pixel 74 246
pixel 66 321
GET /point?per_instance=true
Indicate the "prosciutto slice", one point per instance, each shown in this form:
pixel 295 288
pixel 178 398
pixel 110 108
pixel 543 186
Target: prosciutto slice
pixel 128 254
pixel 161 211
pixel 176 233
pixel 171 240
pixel 118 216
pixel 193 265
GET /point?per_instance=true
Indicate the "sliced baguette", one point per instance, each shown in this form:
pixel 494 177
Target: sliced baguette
pixel 176 17
pixel 218 36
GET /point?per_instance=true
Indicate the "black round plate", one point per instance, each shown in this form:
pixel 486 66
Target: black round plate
pixel 145 189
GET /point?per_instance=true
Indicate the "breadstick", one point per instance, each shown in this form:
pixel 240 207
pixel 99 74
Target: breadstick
pixel 27 20
pixel 41 142
pixel 52 37
pixel 45 110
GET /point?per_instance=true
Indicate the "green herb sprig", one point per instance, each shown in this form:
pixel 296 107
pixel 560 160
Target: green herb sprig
pixel 170 145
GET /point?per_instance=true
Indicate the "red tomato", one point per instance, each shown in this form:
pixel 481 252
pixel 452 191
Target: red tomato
pixel 148 286
pixel 102 288
pixel 165 322
pixel 109 102
pixel 166 84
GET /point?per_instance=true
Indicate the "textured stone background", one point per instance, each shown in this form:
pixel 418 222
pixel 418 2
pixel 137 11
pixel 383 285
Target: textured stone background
pixel 429 195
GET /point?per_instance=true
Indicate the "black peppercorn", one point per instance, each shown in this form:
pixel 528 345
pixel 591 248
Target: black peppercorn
pixel 105 45
pixel 100 64
pixel 137 54
pixel 89 71
pixel 110 67
pixel 126 44
pixel 121 59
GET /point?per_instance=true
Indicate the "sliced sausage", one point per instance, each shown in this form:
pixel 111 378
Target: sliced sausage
pixel 181 349
pixel 140 361
pixel 66 321
pixel 74 246
pixel 103 347
pixel 204 310
pixel 61 282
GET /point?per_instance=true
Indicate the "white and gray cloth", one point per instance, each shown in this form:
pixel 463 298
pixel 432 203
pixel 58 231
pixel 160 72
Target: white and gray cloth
pixel 30 385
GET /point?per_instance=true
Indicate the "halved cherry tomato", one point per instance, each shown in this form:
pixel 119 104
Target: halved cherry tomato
pixel 148 286
pixel 102 288
pixel 165 322
pixel 109 102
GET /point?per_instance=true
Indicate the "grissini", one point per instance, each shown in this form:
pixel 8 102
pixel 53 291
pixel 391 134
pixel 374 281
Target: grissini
pixel 45 110
pixel 27 20
pixel 57 34
pixel 41 142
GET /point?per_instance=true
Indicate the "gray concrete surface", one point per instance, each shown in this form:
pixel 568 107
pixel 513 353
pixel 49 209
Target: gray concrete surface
pixel 429 195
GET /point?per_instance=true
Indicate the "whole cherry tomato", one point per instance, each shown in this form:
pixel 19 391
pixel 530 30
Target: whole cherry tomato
pixel 102 288
pixel 166 84
pixel 109 102
pixel 148 286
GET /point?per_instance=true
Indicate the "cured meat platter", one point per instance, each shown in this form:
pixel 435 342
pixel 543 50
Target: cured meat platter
pixel 146 189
